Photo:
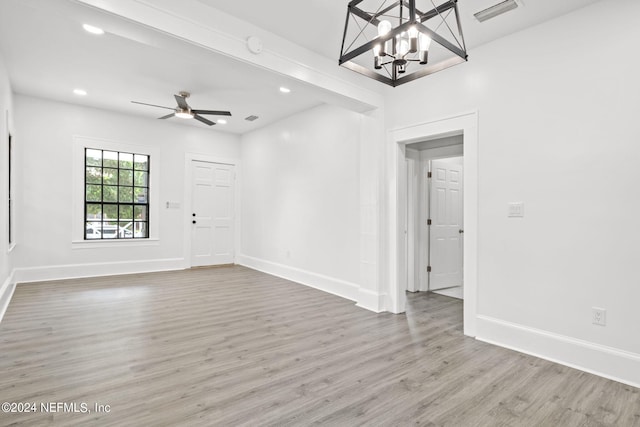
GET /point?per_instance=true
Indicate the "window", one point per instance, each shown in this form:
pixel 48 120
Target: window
pixel 116 195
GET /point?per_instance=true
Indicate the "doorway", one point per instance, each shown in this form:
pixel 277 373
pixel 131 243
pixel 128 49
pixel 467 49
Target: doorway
pixel 212 213
pixel 465 124
pixel 435 216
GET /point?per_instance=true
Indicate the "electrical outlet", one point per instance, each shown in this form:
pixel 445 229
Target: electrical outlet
pixel 599 316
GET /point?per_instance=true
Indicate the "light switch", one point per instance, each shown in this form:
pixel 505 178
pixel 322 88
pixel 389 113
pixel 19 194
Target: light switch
pixel 515 209
pixel 173 205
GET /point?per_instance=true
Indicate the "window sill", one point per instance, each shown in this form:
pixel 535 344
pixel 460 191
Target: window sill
pixel 115 243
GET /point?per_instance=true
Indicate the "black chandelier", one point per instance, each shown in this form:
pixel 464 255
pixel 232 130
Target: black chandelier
pixel 394 42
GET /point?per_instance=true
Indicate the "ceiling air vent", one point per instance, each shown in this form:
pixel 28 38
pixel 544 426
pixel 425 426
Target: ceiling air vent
pixel 495 10
pixel 251 118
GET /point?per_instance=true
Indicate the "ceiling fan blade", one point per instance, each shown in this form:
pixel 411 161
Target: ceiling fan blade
pixel 182 102
pixel 203 120
pixel 153 105
pixel 212 112
pixel 167 116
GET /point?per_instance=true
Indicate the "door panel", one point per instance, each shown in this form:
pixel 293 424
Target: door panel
pixel 212 236
pixel 445 254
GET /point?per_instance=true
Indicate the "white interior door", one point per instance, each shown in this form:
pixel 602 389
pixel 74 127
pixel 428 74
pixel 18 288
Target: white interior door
pixel 212 235
pixel 446 230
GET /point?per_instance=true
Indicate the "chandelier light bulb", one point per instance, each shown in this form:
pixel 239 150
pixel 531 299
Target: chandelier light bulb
pixel 425 42
pixel 403 47
pixel 384 27
pixel 413 39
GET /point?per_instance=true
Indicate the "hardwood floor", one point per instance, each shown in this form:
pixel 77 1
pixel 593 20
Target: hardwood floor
pixel 231 346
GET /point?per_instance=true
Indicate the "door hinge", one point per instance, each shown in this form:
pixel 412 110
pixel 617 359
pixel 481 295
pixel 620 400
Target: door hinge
pixel 429 269
pixel 429 222
pixel 429 174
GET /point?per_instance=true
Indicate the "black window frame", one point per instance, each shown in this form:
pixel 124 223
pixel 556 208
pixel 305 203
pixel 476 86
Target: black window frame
pixel 133 203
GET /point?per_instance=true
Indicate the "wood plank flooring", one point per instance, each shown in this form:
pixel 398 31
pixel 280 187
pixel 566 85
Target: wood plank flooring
pixel 235 347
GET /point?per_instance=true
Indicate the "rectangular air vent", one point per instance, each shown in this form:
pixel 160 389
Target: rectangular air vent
pixel 495 10
pixel 251 118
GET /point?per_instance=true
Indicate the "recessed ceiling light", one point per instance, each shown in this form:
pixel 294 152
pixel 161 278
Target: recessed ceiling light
pixel 222 122
pixel 284 89
pixel 80 92
pixel 93 30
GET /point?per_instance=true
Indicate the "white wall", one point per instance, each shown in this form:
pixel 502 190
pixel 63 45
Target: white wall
pixel 300 199
pixel 6 126
pixel 46 131
pixel 558 106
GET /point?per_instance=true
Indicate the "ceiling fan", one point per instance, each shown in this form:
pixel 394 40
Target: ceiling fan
pixel 183 110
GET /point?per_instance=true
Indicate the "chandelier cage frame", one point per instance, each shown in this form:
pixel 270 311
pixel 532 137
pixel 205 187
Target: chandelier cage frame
pixel 407 13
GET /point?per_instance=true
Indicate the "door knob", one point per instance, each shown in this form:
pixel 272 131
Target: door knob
pixel 461 231
pixel 193 214
pixel 194 221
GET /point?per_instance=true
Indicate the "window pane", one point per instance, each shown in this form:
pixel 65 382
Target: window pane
pixel 125 194
pixel 110 212
pixel 141 162
pixel 126 161
pixel 140 195
pixel 94 193
pixel 126 177
pixel 94 175
pixel 126 213
pixel 93 157
pixel 110 159
pixel 94 211
pixel 140 213
pixel 109 230
pixel 110 193
pixel 141 179
pixel 93 230
pixel 140 230
pixel 125 230
pixel 110 176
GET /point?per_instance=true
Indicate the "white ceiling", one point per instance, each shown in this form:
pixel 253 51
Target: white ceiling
pixel 48 54
pixel 318 24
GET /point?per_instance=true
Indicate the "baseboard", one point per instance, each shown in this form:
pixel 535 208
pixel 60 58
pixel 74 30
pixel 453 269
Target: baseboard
pixel 75 271
pixel 371 301
pixel 6 292
pixel 328 284
pixel 607 362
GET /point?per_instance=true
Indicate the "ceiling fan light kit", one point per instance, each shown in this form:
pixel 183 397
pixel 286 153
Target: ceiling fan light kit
pixel 395 42
pixel 184 111
pixel 184 114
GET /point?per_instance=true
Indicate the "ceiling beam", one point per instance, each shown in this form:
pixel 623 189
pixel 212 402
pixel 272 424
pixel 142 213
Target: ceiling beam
pixel 225 34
